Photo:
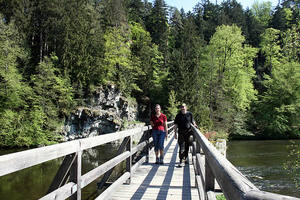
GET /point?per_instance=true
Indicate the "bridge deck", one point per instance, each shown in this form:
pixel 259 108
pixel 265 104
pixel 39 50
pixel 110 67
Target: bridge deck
pixel 168 181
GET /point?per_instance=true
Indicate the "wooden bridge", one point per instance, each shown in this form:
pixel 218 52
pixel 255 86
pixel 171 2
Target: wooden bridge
pixel 200 179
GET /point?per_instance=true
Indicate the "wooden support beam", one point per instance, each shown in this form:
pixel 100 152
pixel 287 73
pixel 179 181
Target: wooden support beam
pixel 75 176
pixel 97 172
pixel 108 173
pixel 62 174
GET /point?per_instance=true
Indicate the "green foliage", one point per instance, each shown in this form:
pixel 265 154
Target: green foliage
pixel 53 94
pixel 293 163
pixel 220 197
pixel 270 47
pixel 118 64
pixel 291 43
pixel 136 10
pixel 147 60
pixel 262 12
pixel 172 108
pixel 230 68
pixel 54 54
pixel 277 109
pixel 20 123
pixel 82 47
pixel 157 25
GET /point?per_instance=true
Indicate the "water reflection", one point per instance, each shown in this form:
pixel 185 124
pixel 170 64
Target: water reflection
pixel 33 182
pixel 262 162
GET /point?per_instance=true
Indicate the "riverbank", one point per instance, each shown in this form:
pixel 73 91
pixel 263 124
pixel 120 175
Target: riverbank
pixel 261 137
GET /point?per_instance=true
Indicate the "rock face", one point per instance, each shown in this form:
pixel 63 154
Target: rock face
pixel 106 112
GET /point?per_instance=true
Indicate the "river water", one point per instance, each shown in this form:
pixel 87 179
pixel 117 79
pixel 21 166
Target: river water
pixel 262 162
pixel 33 183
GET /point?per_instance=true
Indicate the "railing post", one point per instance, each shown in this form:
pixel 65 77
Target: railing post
pixel 197 150
pixel 148 135
pixel 129 159
pixel 198 147
pixel 75 175
pixel 194 146
pixel 209 177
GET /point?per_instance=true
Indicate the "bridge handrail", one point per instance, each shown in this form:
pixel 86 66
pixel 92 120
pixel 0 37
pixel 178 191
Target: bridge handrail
pixel 20 160
pixel 233 183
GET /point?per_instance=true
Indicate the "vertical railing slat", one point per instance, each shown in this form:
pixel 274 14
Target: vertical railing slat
pixel 209 177
pixel 129 159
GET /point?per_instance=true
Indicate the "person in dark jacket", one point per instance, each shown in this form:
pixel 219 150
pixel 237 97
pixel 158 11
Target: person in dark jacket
pixel 183 121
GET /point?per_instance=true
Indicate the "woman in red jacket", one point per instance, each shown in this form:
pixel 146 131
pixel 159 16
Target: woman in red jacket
pixel 158 122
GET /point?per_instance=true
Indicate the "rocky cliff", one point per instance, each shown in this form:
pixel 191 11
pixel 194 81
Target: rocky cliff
pixel 107 111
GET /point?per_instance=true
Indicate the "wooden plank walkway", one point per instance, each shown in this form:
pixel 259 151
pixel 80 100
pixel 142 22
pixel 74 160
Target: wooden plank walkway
pixel 167 181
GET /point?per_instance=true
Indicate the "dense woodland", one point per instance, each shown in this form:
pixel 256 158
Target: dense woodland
pixel 237 69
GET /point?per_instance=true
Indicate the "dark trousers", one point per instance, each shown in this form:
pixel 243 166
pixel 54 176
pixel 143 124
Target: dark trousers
pixel 184 143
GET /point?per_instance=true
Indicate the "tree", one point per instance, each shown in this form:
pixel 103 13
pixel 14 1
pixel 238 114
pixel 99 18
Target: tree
pixel 270 48
pixel 207 18
pixel 262 12
pixel 146 58
pixel 232 13
pixel 231 70
pixel 83 47
pixel 254 28
pixel 185 65
pixel 158 26
pixel 12 88
pixel 136 11
pixel 20 121
pixel 277 109
pixel 117 60
pixel 113 13
pixel 172 108
pixel 53 92
pixel 291 43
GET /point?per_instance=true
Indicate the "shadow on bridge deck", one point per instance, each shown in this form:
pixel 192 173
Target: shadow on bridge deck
pixel 167 181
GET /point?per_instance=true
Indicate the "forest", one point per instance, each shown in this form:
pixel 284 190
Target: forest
pixel 238 70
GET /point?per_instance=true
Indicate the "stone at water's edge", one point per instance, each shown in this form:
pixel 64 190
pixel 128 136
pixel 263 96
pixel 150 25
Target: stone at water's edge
pixel 106 113
pixel 221 146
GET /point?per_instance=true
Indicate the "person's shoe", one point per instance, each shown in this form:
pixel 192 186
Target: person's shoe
pixel 180 163
pixel 157 160
pixel 161 160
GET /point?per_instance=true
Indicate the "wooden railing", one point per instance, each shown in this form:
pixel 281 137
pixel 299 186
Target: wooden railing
pixel 72 163
pixel 210 164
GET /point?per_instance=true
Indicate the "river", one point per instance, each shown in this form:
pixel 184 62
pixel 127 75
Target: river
pixel 33 183
pixel 261 161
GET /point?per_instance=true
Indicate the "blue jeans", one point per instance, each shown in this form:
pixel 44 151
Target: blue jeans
pixel 158 139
